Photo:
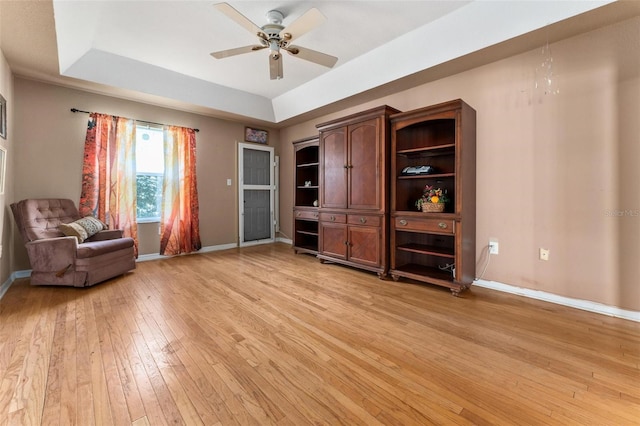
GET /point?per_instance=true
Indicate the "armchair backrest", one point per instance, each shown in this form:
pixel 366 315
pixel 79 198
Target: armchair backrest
pixel 39 218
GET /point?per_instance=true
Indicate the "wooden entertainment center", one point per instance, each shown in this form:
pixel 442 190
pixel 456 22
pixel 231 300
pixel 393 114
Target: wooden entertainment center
pixel 355 171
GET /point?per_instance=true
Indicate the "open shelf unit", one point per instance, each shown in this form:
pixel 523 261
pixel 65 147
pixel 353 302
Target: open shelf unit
pixel 437 248
pixel 306 191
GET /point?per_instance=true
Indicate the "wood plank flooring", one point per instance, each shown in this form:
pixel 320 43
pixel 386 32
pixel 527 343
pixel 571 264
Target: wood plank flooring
pixel 261 336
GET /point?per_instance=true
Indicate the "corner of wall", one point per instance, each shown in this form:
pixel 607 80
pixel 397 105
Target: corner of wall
pixel 6 222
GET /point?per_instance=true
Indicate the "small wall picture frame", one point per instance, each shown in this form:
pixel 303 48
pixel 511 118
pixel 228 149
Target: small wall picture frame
pixel 3 117
pixel 256 135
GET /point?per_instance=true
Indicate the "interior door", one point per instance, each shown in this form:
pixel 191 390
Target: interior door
pixel 256 194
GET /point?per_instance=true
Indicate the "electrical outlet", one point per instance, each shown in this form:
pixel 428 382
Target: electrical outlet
pixel 228 182
pixel 544 254
pixel 493 247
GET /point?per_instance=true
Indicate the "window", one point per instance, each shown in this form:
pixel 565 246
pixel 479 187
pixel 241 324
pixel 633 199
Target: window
pixel 149 173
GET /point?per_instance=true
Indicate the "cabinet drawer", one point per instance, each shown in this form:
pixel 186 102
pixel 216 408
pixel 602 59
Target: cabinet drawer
pixel 333 217
pixel 442 226
pixel 363 219
pixel 305 214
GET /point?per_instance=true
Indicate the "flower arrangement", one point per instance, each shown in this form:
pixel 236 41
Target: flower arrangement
pixel 432 195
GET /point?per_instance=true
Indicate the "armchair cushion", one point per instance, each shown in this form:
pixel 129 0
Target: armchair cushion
pixel 96 248
pixel 107 234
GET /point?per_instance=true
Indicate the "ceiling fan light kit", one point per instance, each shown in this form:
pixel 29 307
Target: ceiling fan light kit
pixel 276 37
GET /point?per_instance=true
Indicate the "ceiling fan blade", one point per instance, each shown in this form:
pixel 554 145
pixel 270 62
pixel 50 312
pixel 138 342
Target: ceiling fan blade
pixel 237 51
pixel 275 67
pixel 312 56
pixel 240 19
pixel 305 23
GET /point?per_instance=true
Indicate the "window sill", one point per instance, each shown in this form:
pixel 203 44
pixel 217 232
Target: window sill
pixel 148 220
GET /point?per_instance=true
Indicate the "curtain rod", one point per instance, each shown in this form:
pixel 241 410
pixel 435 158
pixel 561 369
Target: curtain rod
pixel 142 121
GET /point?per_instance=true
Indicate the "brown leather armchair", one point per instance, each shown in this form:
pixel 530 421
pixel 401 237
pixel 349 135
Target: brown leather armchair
pixel 57 259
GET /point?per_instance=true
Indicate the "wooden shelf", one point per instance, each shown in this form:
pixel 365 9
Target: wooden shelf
pixel 429 176
pixel 308 187
pixel 428 150
pixel 428 250
pixel 308 165
pixel 416 271
pixel 315 234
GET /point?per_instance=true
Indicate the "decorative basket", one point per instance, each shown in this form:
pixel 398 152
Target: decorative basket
pixel 433 207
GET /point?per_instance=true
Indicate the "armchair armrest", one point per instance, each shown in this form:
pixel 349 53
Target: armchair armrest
pixel 107 234
pixel 52 254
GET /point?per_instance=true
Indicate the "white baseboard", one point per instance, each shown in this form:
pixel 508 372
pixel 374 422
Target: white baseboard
pixel 14 276
pixel 284 240
pixel 584 305
pixel 5 286
pixel 207 249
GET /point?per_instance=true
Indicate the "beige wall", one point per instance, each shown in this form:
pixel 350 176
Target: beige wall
pixel 552 171
pixel 6 218
pixel 49 149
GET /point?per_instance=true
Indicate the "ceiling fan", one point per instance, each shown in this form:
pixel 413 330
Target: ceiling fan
pixel 275 37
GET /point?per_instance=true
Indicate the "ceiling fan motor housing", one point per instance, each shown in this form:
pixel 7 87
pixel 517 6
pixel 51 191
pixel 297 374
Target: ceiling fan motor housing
pixel 272 31
pixel 275 17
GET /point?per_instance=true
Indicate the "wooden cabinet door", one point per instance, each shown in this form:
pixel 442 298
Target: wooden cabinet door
pixel 333 169
pixel 364 245
pixel 364 165
pixel 333 239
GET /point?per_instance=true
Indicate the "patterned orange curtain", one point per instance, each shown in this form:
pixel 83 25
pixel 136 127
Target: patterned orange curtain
pixel 180 220
pixel 109 173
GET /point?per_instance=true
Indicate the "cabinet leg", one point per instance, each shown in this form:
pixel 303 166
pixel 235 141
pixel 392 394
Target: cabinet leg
pixel 455 291
pixel 395 277
pixel 382 275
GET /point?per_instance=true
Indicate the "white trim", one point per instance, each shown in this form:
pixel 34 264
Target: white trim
pixel 5 286
pixel 21 274
pixel 14 276
pixel 218 247
pixel 257 242
pixel 284 240
pixel 156 256
pixel 584 305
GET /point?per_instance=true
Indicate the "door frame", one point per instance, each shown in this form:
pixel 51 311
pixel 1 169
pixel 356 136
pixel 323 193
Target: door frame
pixel 242 187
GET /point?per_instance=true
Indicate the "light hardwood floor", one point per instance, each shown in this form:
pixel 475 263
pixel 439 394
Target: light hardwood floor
pixel 263 336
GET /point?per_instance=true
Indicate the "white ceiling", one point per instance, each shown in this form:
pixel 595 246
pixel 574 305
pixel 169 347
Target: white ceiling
pixel 160 49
